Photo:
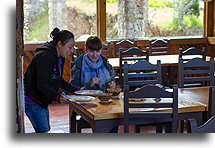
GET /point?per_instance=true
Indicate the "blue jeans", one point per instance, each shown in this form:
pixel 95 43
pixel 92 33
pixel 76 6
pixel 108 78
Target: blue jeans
pixel 39 117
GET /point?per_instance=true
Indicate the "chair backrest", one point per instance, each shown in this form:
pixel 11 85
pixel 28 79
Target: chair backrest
pixel 159 47
pixel 131 54
pixel 211 103
pixel 75 55
pixel 195 71
pixel 169 100
pixel 192 51
pixel 106 50
pixel 142 73
pixel 207 127
pixel 124 44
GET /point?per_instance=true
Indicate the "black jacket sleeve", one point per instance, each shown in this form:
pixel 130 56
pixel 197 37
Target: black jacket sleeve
pixel 44 69
pixel 67 87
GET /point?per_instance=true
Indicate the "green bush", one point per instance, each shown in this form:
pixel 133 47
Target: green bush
pixel 189 24
pixel 111 1
pixel 41 28
pixel 160 4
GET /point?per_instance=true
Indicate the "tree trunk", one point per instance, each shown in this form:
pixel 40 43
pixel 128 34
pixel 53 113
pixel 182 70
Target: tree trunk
pixel 132 19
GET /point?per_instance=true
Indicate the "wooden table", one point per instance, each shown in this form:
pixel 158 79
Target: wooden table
pixel 166 60
pixel 192 103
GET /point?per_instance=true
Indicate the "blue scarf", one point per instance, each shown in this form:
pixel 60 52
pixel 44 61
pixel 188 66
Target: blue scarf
pixel 91 69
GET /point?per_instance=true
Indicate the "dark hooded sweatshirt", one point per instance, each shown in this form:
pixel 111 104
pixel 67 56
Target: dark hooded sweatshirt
pixel 42 79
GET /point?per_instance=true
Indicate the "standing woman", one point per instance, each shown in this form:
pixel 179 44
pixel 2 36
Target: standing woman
pixel 43 78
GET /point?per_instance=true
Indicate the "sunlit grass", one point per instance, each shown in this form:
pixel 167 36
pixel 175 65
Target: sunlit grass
pixel 41 28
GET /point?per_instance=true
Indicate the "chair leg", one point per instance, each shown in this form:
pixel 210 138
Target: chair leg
pixel 137 128
pixel 126 125
pixel 181 124
pixel 159 128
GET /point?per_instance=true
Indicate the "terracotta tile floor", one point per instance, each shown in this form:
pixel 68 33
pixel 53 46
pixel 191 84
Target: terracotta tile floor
pixel 59 120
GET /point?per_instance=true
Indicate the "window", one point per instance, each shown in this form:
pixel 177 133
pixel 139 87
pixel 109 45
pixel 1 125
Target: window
pixel 124 18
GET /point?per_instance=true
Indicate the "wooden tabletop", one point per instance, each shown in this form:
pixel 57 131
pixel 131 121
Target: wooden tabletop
pixel 166 60
pixel 190 100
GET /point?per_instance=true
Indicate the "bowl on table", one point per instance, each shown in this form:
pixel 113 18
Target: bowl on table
pixel 114 91
pixel 104 96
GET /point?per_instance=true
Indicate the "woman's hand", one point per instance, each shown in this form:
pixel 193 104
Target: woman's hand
pixel 94 81
pixel 63 100
pixel 112 84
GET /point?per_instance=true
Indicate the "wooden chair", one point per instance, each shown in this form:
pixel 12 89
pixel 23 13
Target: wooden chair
pixel 142 73
pixel 211 103
pixel 207 127
pixel 192 51
pixel 75 55
pixel 130 54
pixel 106 50
pixel 184 54
pixel 159 47
pixel 198 46
pixel 149 92
pixel 211 108
pixel 125 44
pixel 195 71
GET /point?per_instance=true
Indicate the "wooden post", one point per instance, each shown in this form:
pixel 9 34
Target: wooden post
pixel 101 19
pixel 19 69
pixel 209 19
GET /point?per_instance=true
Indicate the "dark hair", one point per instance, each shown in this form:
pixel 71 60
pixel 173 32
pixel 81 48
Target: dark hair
pixel 64 36
pixel 93 43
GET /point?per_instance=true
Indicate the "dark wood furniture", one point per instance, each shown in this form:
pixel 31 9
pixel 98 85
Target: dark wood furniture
pixel 142 73
pixel 192 103
pixel 132 54
pixel 125 44
pixel 211 103
pixel 106 50
pixel 159 46
pixel 185 54
pixel 192 51
pixel 195 71
pixel 207 127
pixel 151 92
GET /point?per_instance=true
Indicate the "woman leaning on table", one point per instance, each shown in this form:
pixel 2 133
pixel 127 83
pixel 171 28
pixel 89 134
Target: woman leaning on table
pixel 92 70
pixel 43 78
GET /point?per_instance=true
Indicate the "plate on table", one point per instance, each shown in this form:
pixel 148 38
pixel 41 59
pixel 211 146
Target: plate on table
pixel 80 98
pixel 88 92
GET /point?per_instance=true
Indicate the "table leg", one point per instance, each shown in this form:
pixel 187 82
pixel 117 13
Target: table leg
pixel 72 121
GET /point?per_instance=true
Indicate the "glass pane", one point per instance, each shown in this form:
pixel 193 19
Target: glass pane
pixel 176 18
pixel 111 19
pixel 137 19
pixel 42 16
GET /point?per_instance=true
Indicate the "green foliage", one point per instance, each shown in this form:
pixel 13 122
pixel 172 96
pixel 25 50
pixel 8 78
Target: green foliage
pixel 111 1
pixel 160 4
pixel 194 9
pixel 189 24
pixel 88 1
pixel 41 28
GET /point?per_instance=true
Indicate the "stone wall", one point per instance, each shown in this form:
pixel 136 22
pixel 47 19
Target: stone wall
pixel 132 19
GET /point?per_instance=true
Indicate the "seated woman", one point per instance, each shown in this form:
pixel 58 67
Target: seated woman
pixel 92 70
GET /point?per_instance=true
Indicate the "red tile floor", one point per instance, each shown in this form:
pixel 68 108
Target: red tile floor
pixel 59 120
